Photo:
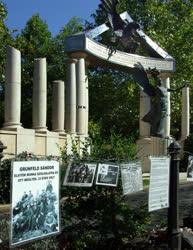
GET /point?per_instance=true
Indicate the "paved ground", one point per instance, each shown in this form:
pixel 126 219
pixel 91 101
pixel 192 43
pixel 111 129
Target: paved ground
pixel 185 203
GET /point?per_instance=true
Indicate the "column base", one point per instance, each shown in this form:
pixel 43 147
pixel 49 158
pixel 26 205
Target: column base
pixel 81 134
pixel 71 133
pixel 11 126
pixel 40 129
pixel 151 146
pixel 60 131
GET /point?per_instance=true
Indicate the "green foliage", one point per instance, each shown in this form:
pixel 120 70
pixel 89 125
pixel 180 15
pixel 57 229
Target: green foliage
pixel 169 23
pixel 101 220
pixel 98 217
pixel 113 148
pixel 114 94
pixel 94 217
pixel 5 40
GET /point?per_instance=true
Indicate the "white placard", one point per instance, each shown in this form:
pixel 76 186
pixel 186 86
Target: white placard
pixel 107 174
pixel 35 200
pixel 159 183
pixel 190 168
pixel 131 175
pixel 80 174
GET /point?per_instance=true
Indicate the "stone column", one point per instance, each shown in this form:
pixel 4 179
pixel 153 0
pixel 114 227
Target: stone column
pixel 87 106
pixel 58 113
pixel 80 95
pixel 40 95
pixel 145 103
pixel 12 89
pixel 185 120
pixel 165 81
pixel 70 121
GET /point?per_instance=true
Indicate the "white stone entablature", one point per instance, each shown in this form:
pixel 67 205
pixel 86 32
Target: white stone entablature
pixel 121 60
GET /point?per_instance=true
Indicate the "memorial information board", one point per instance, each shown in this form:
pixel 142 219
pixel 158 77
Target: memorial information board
pixel 35 200
pixel 131 175
pixel 159 183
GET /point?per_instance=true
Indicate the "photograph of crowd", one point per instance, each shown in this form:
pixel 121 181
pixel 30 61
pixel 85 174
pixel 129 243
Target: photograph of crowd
pixel 80 174
pixel 107 174
pixel 190 168
pixel 35 215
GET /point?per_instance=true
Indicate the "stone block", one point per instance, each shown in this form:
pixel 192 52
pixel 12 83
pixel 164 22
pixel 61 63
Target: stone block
pixel 25 140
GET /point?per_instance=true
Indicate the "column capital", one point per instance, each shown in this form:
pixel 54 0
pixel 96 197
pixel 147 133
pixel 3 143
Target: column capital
pixel 164 75
pixel 71 60
pixel 78 55
pixel 87 63
pixel 57 81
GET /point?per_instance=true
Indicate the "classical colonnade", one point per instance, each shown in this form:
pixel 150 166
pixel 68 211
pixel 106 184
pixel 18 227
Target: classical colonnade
pixel 69 107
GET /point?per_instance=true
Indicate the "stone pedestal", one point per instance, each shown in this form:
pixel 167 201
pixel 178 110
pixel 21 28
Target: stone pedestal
pixel 152 146
pixel 185 119
pixel 25 140
pixel 58 112
pixel 12 89
pixel 40 95
pixel 70 121
pixel 144 127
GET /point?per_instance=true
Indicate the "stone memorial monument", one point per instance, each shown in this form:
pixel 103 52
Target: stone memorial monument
pixel 70 100
pixel 120 55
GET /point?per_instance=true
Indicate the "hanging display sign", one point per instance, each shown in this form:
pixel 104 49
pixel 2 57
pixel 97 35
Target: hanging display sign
pixel 159 183
pixel 190 168
pixel 80 174
pixel 131 176
pixel 34 200
pixel 107 174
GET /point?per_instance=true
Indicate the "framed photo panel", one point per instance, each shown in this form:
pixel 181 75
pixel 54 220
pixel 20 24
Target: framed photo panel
pixel 35 201
pixel 80 174
pixel 107 174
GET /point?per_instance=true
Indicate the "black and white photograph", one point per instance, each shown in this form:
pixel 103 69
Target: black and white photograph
pixel 190 168
pixel 35 200
pixel 80 174
pixel 131 176
pixel 107 174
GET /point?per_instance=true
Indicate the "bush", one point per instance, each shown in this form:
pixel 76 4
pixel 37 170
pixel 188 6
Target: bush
pixel 100 219
pixel 97 217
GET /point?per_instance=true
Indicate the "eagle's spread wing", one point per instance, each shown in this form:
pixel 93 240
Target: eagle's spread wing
pixel 116 23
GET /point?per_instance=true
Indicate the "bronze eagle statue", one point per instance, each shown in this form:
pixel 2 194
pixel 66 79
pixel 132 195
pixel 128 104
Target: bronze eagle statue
pixel 124 33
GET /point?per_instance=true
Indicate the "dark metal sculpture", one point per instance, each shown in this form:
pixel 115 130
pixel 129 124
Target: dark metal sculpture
pixel 158 94
pixel 124 33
